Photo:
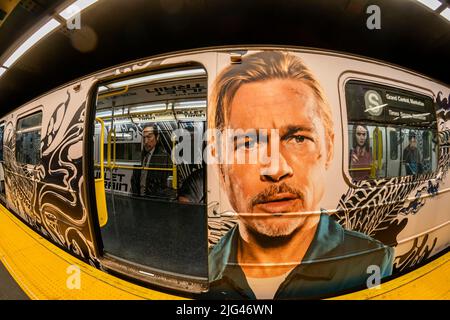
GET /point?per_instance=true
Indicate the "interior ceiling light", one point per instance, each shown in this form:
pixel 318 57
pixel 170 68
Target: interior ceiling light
pixel 432 4
pixel 2 71
pixel 24 47
pixel 159 76
pixel 75 8
pixel 149 108
pixel 190 104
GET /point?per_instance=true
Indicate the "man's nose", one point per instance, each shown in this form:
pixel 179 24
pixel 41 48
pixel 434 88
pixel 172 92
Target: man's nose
pixel 277 170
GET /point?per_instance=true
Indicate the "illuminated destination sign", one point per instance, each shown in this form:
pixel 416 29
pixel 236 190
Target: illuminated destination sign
pixel 372 103
pixel 403 99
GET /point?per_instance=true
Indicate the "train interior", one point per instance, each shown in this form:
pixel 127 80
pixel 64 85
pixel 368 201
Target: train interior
pixel 393 139
pixel 148 142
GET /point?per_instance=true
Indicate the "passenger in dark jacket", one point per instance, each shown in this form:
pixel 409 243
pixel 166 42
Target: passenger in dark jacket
pixel 412 157
pixel 153 182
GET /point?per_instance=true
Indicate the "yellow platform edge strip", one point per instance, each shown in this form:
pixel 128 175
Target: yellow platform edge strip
pixel 40 269
pixel 429 282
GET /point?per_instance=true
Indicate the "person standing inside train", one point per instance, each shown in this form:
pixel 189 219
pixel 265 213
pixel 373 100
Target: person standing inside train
pixel 153 181
pixel 284 244
pixel 412 157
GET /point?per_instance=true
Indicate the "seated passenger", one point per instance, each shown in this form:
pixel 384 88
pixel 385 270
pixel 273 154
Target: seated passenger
pixel 361 153
pixel 412 158
pixel 152 182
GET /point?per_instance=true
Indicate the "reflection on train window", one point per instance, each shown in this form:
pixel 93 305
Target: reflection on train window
pixel 154 178
pixel 28 139
pixel 125 152
pixel 392 132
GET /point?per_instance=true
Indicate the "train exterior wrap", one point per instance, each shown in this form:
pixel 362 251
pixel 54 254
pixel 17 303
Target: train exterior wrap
pixel 238 173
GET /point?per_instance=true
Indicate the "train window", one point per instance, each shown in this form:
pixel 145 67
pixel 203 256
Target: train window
pixel 367 152
pixel 154 184
pixel 393 142
pixel 427 143
pixel 125 152
pixel 392 132
pixel 28 139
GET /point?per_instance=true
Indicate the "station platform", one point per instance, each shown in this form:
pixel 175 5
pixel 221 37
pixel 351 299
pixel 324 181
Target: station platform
pixel 33 268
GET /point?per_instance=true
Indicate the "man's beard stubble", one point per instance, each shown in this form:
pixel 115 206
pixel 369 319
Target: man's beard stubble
pixel 271 229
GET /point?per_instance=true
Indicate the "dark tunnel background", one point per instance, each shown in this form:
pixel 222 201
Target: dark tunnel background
pixel 117 31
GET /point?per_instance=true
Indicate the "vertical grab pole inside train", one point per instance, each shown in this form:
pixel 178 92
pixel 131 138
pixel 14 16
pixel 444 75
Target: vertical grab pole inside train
pixel 111 135
pixel 114 148
pixel 108 150
pixel 174 167
pixel 373 171
pixel 377 152
pixel 100 195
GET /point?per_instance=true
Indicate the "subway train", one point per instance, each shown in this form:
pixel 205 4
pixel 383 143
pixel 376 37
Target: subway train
pixel 243 172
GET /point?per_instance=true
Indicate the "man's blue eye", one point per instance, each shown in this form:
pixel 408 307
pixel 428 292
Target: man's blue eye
pixel 249 144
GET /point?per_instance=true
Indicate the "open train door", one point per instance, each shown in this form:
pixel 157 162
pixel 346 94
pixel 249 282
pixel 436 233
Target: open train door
pixel 151 205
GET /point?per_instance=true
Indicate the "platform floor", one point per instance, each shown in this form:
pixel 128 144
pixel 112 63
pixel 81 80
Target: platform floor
pixel 40 269
pixel 9 289
pixel 135 228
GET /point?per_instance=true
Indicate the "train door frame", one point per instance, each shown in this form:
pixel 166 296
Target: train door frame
pixel 116 265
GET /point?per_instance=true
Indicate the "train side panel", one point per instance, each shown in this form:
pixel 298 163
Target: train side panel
pixel 403 214
pixel 48 193
pixel 406 212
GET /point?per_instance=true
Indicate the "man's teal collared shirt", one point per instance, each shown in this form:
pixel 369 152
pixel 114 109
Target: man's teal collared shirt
pixel 336 260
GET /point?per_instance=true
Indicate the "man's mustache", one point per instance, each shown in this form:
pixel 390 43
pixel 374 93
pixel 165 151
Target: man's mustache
pixel 269 193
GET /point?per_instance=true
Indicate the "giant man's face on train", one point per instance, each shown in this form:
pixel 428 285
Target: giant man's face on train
pixel 297 183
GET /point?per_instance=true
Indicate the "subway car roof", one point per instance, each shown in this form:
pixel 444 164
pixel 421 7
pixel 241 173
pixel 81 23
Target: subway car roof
pixel 115 31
